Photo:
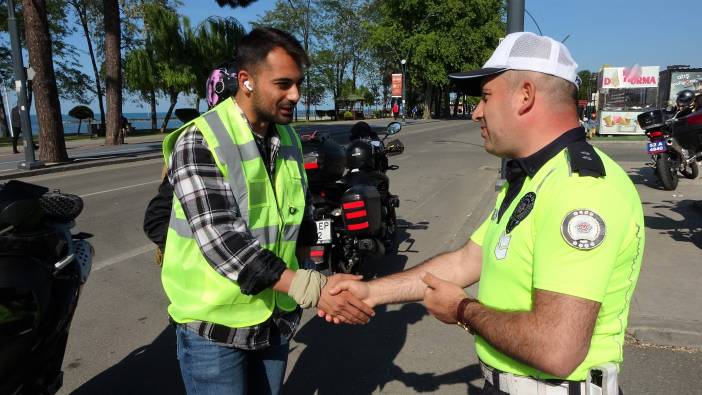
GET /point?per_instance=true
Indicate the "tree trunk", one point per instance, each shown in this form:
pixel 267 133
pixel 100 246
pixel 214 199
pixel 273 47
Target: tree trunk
pixel 437 103
pixel 152 105
pixel 82 15
pixel 113 75
pixel 174 100
pixel 52 147
pixel 447 103
pixel 427 101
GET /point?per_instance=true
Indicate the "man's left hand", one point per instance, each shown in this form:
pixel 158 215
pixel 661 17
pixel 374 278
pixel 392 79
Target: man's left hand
pixel 442 298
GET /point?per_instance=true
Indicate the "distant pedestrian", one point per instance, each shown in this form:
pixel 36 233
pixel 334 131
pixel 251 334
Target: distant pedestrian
pixel 414 112
pixel 16 128
pixel 395 110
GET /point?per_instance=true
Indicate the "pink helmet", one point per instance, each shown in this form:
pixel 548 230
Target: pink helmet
pixel 221 84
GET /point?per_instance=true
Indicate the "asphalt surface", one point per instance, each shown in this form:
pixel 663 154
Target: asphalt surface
pixel 121 342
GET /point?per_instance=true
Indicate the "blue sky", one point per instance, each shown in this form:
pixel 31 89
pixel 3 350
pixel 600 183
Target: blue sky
pixel 618 33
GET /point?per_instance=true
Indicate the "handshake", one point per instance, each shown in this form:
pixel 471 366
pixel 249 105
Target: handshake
pixel 345 298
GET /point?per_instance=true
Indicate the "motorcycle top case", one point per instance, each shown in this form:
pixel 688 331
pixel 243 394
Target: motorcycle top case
pixel 361 205
pixel 325 161
pixel 688 131
pixel 650 119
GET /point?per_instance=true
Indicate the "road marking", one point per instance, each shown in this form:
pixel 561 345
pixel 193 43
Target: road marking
pixel 120 188
pixel 123 257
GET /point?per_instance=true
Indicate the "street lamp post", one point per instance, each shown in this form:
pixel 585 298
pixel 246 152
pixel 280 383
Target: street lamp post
pixel 21 86
pixel 404 75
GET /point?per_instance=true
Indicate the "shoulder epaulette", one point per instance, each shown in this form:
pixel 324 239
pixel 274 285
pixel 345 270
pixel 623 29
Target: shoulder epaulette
pixel 584 160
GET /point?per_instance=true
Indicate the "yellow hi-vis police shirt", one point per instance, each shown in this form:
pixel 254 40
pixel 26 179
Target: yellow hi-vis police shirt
pixel 576 235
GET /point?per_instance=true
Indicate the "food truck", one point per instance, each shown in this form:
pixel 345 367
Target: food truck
pixel 624 93
pixel 675 79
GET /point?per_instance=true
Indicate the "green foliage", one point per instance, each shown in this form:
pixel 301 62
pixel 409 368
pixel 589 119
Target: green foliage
pixel 214 43
pixel 348 115
pixel 587 84
pixel 140 72
pixel 438 37
pixel 72 83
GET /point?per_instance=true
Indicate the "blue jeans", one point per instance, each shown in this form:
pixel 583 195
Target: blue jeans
pixel 209 368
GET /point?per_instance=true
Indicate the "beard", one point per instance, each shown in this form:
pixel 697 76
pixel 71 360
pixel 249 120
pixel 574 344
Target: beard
pixel 266 115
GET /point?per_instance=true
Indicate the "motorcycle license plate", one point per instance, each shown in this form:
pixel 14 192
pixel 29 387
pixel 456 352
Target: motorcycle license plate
pixel 657 147
pixel 324 228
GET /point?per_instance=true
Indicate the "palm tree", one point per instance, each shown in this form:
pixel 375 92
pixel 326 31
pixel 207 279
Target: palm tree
pixel 172 54
pixel 214 44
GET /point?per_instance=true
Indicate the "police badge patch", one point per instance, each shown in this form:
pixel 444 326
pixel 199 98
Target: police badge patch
pixel 526 203
pixel 583 229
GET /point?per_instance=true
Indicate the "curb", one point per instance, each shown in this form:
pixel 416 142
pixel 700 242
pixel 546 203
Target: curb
pixel 666 332
pixel 61 167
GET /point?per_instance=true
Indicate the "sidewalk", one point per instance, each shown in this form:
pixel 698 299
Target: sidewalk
pixel 118 154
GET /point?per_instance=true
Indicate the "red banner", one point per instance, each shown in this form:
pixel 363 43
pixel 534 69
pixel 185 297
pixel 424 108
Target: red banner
pixel 397 85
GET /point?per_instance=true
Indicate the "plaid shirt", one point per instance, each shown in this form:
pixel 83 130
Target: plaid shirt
pixel 223 236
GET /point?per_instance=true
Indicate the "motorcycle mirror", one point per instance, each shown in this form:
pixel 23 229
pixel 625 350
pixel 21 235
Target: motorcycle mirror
pixel 393 128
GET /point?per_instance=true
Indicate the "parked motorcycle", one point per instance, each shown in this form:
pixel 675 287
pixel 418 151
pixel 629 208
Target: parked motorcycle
pixel 353 206
pixel 42 269
pixel 675 143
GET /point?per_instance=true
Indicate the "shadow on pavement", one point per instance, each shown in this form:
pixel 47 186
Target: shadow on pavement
pixel 151 369
pixel 688 229
pixel 360 359
pixel 405 236
pixel 645 176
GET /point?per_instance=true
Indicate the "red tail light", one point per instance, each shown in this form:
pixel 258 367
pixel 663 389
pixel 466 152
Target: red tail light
pixel 311 165
pixel 356 214
pixel 351 205
pixel 362 225
pixel 655 134
pixel 316 253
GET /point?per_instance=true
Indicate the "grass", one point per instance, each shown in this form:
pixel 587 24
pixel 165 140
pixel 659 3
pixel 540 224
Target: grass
pixel 620 138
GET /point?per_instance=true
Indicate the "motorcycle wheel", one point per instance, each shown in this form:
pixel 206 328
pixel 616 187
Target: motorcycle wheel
pixel 667 171
pixel 391 235
pixel 691 171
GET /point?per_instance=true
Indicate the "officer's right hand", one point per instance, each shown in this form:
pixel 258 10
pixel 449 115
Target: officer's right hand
pixel 343 306
pixel 359 289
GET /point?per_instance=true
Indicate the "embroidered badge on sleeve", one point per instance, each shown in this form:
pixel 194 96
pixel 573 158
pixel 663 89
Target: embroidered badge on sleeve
pixel 583 229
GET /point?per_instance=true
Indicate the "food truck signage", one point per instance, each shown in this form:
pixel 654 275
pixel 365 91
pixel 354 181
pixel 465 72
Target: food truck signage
pixel 681 80
pixel 624 93
pixel 630 77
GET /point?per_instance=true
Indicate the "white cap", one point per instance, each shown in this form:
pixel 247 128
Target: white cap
pixel 522 51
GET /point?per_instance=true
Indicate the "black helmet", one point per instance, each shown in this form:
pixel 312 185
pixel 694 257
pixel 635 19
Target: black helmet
pixel 362 130
pixel 359 155
pixel 685 99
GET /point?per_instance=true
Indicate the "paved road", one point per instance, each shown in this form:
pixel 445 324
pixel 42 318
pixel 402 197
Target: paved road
pixel 121 343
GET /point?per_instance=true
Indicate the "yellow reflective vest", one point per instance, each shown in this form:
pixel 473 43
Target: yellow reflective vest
pixel 271 207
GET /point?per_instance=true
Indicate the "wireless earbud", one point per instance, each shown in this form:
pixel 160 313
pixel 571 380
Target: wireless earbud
pixel 247 84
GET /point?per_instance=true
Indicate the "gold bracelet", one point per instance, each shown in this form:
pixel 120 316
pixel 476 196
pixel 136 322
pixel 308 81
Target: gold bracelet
pixel 460 317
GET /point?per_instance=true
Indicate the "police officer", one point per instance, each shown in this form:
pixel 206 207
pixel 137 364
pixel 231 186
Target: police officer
pixel 559 256
pixel 230 265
